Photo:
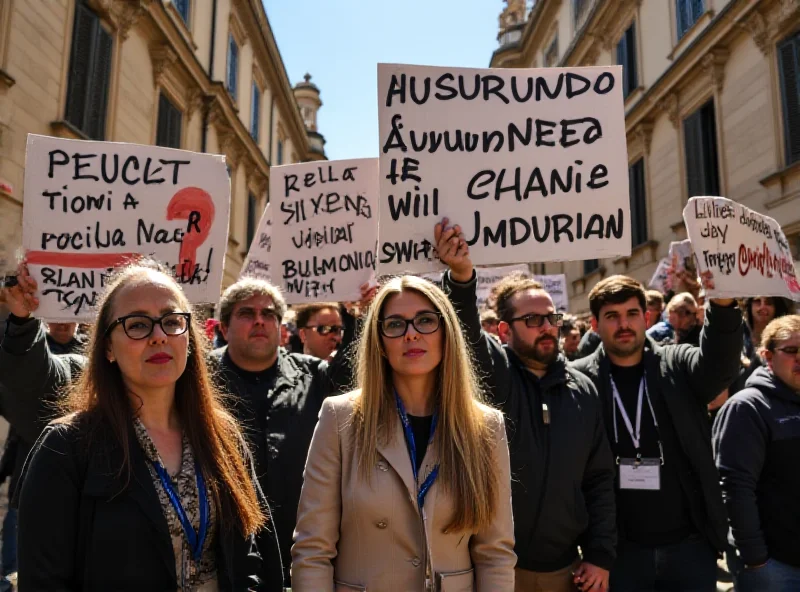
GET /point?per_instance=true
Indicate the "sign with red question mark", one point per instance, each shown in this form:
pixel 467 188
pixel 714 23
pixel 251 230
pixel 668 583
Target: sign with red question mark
pixel 91 207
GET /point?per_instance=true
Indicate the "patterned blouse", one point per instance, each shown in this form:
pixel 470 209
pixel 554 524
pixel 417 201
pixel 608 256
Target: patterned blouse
pixel 191 577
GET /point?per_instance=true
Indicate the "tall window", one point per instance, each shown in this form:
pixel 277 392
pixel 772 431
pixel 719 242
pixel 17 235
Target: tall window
pixel 590 265
pixel 89 74
pixel 252 204
pixel 626 57
pixel 687 13
pixel 700 136
pixel 638 203
pixel 551 55
pixel 182 6
pixel 789 60
pixel 579 8
pixel 233 65
pixel 280 151
pixel 255 111
pixel 170 120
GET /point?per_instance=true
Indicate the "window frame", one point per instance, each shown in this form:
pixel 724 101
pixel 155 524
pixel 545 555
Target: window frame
pixel 698 128
pixel 791 121
pixel 232 71
pixel 80 105
pixel 255 110
pixel 627 46
pixel 164 100
pixel 638 202
pixel 682 28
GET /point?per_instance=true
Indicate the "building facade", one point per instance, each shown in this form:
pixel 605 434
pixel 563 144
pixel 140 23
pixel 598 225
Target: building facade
pixel 201 75
pixel 712 107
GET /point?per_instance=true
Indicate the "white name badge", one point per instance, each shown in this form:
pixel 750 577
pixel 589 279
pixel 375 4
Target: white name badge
pixel 643 474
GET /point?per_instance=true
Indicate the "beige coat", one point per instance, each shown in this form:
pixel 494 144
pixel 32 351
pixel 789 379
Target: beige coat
pixel 351 535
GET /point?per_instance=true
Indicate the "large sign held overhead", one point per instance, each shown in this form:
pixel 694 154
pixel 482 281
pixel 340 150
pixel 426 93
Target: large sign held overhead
pixel 532 164
pixel 92 206
pixel 324 229
pixel 257 264
pixel 745 252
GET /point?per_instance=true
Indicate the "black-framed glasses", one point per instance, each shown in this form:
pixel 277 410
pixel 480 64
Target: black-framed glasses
pixel 326 329
pixel 137 326
pixel 424 323
pixel 537 320
pixel 789 350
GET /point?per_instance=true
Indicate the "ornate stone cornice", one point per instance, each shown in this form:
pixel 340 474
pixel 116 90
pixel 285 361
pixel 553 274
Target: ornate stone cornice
pixel 644 135
pixel 789 9
pixel 237 27
pixel 127 15
pixel 756 25
pixel 669 105
pixel 229 144
pixel 194 101
pixel 162 56
pixel 713 64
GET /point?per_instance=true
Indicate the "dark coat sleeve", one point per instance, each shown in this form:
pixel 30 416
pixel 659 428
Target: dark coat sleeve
pixel 713 366
pixel 600 540
pixel 341 371
pixel 487 354
pixel 32 377
pixel 589 344
pixel 48 501
pixel 740 441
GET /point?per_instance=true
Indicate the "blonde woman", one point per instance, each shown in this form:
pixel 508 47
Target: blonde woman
pixel 407 483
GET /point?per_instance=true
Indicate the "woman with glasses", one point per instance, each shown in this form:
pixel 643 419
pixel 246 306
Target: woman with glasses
pixel 757 446
pixel 407 483
pixel 146 484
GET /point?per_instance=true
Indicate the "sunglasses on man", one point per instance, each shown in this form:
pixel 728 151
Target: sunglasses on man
pixel 326 329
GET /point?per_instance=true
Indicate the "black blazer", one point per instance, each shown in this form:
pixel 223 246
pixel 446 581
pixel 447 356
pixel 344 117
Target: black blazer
pixel 80 528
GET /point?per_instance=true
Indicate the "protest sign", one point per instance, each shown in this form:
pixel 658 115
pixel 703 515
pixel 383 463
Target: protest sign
pixel 257 263
pixel 532 164
pixel 486 277
pixel 746 253
pixel 324 229
pixel 556 286
pixel 660 279
pixel 92 206
pixel 681 257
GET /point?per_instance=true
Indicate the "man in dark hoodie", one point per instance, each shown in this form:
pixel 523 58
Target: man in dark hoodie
pixel 671 518
pixel 757 445
pixel 562 470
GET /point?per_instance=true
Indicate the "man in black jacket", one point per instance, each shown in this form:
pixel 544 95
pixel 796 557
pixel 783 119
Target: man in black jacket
pixel 277 395
pixel 671 518
pixel 562 471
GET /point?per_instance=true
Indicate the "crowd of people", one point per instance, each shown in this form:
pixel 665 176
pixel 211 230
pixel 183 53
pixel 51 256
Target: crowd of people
pixel 408 441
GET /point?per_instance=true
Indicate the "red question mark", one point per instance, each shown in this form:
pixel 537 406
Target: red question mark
pixel 196 206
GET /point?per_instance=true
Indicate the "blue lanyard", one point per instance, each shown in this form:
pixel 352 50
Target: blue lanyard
pixel 412 450
pixel 196 539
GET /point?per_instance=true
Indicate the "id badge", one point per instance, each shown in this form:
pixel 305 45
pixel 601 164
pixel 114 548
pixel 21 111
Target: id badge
pixel 642 474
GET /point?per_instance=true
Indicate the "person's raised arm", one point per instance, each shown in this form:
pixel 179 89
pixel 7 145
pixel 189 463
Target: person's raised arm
pixel 460 283
pixel 714 365
pixel 30 373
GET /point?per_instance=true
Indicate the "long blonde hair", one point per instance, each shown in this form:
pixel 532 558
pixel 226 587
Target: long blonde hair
pixel 463 434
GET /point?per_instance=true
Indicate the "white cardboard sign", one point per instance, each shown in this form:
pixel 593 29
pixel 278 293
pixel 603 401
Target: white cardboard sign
pixel 532 164
pixel 257 263
pixel 660 277
pixel 556 286
pixel 487 277
pixel 746 252
pixel 324 229
pixel 92 206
